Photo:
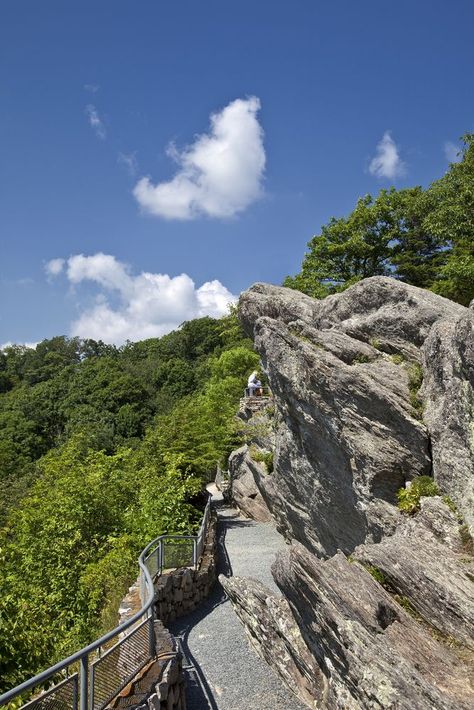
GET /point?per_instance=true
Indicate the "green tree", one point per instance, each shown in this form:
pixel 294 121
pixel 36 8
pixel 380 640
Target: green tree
pixel 451 218
pixel 423 237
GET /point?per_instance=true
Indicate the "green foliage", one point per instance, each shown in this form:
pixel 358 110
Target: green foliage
pixel 409 498
pixel 265 457
pixel 415 380
pixel 102 449
pixel 361 358
pixel 451 504
pixel 375 343
pixel 406 604
pixel 377 574
pixel 451 218
pixel 423 237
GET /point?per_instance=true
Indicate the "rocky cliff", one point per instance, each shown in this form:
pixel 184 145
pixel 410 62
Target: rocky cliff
pixel 373 388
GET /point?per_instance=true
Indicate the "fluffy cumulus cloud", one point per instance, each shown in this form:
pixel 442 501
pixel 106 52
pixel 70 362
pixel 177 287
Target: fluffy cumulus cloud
pixel 146 305
pixel 387 162
pixel 95 121
pixel 219 175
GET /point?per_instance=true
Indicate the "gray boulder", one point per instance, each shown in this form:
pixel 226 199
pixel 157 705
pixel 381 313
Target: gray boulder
pixel 350 432
pixel 448 397
pixel 424 563
pixel 243 489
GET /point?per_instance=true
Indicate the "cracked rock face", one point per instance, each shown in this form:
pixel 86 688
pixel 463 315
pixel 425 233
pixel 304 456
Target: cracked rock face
pixel 448 395
pixel 372 387
pixel 372 653
pixel 350 431
pixel 424 563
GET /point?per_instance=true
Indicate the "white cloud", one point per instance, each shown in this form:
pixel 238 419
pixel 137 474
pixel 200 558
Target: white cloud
pixel 387 162
pixel 104 269
pixel 219 175
pixel 54 267
pixel 92 88
pixel 130 162
pixel 9 344
pixel 452 152
pixel 149 305
pixel 95 121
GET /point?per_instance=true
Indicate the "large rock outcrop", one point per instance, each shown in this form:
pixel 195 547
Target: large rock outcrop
pixel 372 387
pixel 448 396
pixel 426 565
pixel 344 372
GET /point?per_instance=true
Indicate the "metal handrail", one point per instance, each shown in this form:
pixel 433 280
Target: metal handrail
pixel 147 589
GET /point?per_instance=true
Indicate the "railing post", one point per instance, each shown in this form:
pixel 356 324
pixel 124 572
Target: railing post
pixel 195 555
pixel 84 682
pixel 151 635
pixel 158 560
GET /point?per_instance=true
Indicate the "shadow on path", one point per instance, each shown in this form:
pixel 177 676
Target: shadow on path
pixel 198 693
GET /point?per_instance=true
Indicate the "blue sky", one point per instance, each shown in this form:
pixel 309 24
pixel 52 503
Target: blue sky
pixel 314 104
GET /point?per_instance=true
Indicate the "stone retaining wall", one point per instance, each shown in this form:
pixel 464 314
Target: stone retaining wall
pixel 180 591
pixel 161 684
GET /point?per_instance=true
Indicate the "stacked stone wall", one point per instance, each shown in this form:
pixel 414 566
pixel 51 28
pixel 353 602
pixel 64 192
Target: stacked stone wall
pixel 161 685
pixel 180 591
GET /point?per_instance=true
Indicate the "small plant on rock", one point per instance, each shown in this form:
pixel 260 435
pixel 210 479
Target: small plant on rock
pixel 409 498
pixel 361 358
pixel 415 380
pixel 451 504
pixel 265 457
pixel 466 539
pixel 377 574
pixel 375 342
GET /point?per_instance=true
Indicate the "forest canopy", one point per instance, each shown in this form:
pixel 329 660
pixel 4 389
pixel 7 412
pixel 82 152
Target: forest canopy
pixel 101 450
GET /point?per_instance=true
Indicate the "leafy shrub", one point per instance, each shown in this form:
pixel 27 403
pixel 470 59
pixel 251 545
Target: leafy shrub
pixel 409 498
pixel 265 457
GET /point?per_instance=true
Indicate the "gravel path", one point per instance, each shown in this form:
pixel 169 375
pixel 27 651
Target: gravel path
pixel 223 671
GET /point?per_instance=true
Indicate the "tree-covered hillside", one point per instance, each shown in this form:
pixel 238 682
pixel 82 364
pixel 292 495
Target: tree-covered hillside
pixel 102 449
pixel 422 237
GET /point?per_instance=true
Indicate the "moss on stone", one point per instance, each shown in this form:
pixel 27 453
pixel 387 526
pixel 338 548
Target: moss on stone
pixel 466 539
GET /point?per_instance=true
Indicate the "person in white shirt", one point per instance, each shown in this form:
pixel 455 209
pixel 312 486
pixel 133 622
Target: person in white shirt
pixel 254 385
